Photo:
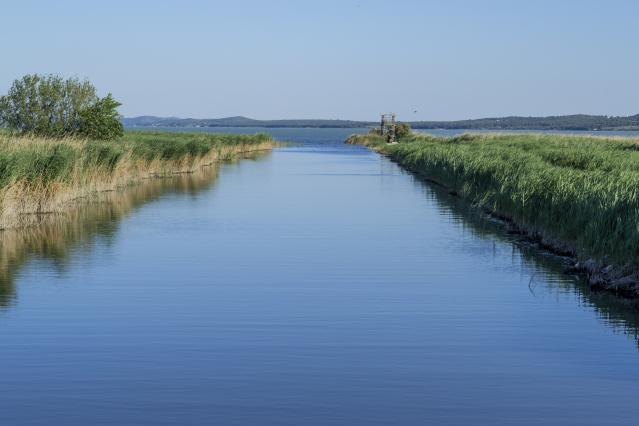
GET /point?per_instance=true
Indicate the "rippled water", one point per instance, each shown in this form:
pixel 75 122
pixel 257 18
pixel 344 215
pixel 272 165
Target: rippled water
pixel 318 284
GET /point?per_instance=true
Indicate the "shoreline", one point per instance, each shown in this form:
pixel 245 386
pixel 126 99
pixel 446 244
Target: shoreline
pixel 601 276
pixel 49 177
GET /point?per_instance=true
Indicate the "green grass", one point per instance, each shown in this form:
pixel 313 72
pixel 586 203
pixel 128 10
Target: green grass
pixel 39 175
pixel 173 145
pixel 581 191
pixel 36 159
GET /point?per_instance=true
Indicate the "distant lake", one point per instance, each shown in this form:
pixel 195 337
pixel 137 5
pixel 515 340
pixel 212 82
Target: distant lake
pixel 319 284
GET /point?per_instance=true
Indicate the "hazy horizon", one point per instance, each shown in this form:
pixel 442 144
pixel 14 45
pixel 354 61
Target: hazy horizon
pixel 351 60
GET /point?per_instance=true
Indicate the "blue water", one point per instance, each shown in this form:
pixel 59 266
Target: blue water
pixel 317 284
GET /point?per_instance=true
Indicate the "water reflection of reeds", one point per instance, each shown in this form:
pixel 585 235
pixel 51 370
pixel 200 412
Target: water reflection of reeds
pixel 56 235
pixel 547 277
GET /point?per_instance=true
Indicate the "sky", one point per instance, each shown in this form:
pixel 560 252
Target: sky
pixel 348 59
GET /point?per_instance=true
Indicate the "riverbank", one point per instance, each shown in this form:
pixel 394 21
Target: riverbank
pixel 574 195
pixel 45 176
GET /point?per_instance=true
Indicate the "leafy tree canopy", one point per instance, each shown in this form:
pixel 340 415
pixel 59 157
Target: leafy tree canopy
pixel 51 106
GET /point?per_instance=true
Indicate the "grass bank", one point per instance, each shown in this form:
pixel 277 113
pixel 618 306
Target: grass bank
pixel 41 176
pixel 577 195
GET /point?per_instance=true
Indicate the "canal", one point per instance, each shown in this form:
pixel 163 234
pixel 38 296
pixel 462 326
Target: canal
pixel 317 284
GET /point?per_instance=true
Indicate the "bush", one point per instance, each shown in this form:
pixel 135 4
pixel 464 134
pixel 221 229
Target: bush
pixel 402 130
pixel 51 106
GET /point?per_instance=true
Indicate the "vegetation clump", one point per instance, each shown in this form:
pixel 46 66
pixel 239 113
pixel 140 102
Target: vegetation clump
pixel 402 130
pixel 577 194
pixel 51 106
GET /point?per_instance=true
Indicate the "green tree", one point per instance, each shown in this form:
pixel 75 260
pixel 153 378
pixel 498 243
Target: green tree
pixel 49 105
pixel 101 120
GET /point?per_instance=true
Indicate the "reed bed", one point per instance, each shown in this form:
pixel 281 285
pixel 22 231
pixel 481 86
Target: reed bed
pixel 41 176
pixel 577 194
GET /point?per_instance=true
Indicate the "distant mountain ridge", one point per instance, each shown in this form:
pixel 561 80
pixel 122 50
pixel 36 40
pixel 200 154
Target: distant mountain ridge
pixel 562 122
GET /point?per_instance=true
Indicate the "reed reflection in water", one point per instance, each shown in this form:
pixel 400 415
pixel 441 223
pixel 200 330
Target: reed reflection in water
pixel 97 217
pixel 543 272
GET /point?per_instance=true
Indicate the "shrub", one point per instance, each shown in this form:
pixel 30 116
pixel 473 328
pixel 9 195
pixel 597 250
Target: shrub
pixel 402 130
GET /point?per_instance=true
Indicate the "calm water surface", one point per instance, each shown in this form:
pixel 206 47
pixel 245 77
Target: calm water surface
pixel 318 284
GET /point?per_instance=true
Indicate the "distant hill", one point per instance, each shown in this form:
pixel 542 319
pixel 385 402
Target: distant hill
pixel 564 122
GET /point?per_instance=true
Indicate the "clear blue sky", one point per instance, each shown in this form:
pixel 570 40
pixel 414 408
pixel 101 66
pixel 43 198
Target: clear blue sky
pixel 450 59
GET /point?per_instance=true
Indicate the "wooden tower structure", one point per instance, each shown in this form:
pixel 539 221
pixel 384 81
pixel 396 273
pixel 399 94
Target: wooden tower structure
pixel 388 125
